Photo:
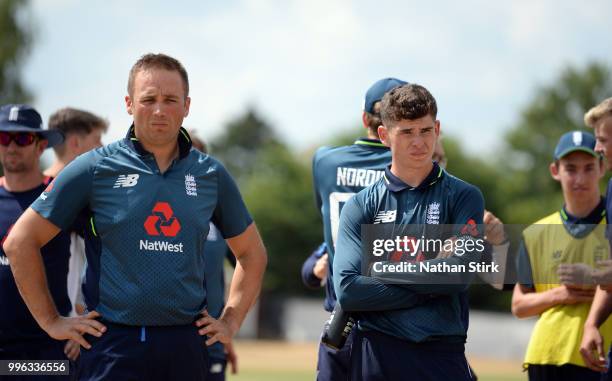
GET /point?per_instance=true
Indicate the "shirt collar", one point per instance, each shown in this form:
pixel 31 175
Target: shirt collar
pixel 395 184
pixel 370 143
pixel 581 227
pixel 184 142
pixel 594 217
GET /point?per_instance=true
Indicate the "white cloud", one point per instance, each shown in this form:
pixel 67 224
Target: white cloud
pixel 307 64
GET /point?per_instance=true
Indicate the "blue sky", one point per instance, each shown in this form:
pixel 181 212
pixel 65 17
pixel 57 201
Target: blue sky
pixel 306 64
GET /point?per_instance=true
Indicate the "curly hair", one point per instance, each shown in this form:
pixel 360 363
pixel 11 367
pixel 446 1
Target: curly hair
pixel 409 101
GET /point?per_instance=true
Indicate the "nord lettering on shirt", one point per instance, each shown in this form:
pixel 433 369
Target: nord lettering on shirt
pixel 4 261
pixel 161 246
pixel 357 177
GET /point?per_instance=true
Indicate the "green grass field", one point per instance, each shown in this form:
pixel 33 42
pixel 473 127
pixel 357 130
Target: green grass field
pixel 280 361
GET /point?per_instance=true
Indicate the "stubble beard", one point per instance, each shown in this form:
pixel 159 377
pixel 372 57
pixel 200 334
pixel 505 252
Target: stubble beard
pixel 15 166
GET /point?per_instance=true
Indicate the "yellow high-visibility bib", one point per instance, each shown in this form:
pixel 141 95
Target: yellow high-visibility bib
pixel 556 337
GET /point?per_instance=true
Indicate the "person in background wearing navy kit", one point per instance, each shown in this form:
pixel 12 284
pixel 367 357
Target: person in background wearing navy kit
pixel 424 341
pixel 82 132
pixel 338 173
pixel 22 142
pixel 215 252
pixel 151 198
pixel 314 268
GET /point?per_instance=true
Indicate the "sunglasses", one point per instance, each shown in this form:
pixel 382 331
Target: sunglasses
pixel 22 139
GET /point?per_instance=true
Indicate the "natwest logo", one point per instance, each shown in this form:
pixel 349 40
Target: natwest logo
pixel 162 221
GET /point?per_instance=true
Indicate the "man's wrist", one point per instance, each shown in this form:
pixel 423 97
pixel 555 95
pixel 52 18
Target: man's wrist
pixel 505 240
pixel 590 323
pixel 558 296
pixel 232 322
pixel 598 277
pixel 47 321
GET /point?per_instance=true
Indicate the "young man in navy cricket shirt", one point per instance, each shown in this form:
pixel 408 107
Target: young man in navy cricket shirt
pixel 396 339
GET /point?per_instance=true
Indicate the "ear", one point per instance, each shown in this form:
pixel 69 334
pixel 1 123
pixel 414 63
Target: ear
pixel 42 145
pixel 128 104
pixel 187 104
pixel 437 128
pixel 73 143
pixel 364 120
pixel 554 171
pixel 383 134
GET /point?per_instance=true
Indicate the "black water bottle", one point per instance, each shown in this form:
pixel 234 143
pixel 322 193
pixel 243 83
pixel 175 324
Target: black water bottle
pixel 337 328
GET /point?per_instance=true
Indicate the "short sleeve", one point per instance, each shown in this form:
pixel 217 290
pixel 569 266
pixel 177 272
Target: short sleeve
pixel 523 267
pixel 230 215
pixel 68 193
pixel 468 211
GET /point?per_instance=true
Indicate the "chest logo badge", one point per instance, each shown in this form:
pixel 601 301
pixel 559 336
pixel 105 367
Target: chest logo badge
pixel 385 217
pixel 190 185
pixel 126 181
pixel 162 221
pixel 433 213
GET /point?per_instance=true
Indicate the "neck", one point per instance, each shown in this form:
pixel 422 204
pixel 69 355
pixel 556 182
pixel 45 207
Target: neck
pixel 163 154
pixel 582 208
pixel 411 175
pixel 21 182
pixel 372 134
pixel 56 167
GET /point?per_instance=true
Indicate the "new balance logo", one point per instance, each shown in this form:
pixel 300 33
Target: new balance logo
pixel 385 217
pixel 125 181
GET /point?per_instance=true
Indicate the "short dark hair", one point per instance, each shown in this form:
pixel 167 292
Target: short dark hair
pixel 158 61
pixel 72 121
pixel 372 119
pixel 409 101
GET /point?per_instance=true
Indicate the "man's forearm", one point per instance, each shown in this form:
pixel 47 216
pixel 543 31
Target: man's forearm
pixel 362 293
pixel 29 273
pixel 534 303
pixel 600 309
pixel 245 286
pixel 309 279
pixel 424 281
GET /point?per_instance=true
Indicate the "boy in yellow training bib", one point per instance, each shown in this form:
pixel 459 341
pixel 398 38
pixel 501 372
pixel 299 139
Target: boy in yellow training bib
pixel 575 234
